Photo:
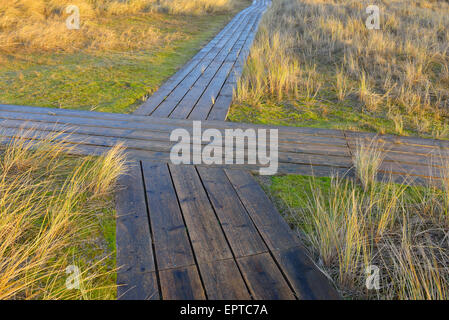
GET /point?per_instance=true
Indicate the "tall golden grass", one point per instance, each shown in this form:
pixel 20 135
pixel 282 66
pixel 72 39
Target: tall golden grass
pixel 50 209
pixel 39 25
pixel 402 230
pixel 322 49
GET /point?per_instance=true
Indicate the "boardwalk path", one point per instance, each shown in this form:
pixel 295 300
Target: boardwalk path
pixel 202 232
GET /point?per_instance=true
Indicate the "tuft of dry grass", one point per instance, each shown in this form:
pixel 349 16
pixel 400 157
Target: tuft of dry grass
pixel 39 25
pixel 51 209
pixel 368 158
pixel 322 51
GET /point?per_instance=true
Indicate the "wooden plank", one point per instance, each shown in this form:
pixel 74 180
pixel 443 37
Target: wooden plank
pixel 162 149
pixel 158 141
pixel 145 123
pixel 411 170
pixel 171 243
pixel 159 132
pixel 264 279
pixel 181 284
pixel 136 276
pixel 237 225
pixel 223 281
pixel 208 240
pixel 398 147
pixel 412 141
pixel 137 286
pixel 220 109
pixel 308 282
pixel 271 226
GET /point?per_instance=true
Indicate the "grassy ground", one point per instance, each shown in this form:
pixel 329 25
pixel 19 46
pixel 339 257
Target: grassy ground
pixel 353 227
pixel 316 64
pixel 116 59
pixel 56 211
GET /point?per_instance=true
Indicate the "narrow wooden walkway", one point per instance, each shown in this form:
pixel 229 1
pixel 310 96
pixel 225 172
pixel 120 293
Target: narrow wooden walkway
pixel 306 151
pixel 210 232
pixel 203 88
pixel 207 233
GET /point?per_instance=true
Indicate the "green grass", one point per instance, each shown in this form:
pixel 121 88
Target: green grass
pixel 106 81
pixel 348 227
pixel 329 114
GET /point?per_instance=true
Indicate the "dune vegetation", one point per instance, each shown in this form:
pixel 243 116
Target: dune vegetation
pixel 355 228
pixel 121 53
pixel 315 63
pixel 36 25
pixel 56 214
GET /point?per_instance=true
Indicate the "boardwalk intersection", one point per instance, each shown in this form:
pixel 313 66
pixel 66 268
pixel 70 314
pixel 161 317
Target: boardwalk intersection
pixel 193 223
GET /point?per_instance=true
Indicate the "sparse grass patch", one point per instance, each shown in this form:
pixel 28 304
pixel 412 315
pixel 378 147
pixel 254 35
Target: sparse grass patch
pixel 56 211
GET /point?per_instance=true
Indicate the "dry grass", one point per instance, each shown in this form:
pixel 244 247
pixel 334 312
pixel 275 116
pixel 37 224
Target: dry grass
pixel 401 230
pixel 322 50
pixel 39 25
pixel 51 209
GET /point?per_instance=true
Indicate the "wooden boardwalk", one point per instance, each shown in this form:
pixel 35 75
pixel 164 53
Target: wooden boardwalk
pixel 307 151
pixel 203 88
pixel 207 233
pixel 210 232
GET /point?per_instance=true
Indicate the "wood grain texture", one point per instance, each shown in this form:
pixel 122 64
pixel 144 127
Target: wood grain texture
pixel 271 226
pixel 223 281
pixel 264 279
pixel 308 282
pixel 181 284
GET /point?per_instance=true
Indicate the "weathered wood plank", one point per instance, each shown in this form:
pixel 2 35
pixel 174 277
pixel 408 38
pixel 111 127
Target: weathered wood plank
pixel 158 141
pixel 143 122
pixel 271 226
pixel 136 277
pixel 308 282
pixel 223 281
pixel 159 132
pixel 181 284
pixel 208 241
pixel 171 243
pixel 185 86
pixel 190 99
pixel 237 225
pixel 154 101
pixel 264 279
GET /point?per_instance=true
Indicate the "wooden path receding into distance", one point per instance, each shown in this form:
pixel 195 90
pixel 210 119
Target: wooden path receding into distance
pixel 210 232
